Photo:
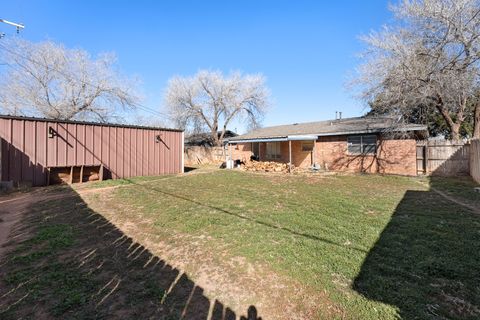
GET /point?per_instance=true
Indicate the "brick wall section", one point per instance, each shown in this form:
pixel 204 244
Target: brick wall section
pixel 398 157
pixel 300 158
pixel 241 151
pixel 200 154
pixel 393 156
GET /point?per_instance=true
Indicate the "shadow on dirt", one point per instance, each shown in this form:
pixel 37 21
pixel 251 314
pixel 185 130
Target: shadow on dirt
pixel 66 261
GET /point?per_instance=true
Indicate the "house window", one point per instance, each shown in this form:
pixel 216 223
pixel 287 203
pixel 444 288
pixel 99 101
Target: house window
pixel 273 150
pixel 307 146
pixel 362 144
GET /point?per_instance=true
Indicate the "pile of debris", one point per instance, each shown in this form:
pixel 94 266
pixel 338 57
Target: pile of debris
pixel 266 166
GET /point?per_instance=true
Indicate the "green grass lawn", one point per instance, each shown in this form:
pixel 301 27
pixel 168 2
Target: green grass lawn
pixel 378 247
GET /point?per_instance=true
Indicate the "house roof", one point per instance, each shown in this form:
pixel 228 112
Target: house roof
pixel 358 125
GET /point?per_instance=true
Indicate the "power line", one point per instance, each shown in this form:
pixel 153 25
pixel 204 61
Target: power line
pixel 18 26
pixel 138 105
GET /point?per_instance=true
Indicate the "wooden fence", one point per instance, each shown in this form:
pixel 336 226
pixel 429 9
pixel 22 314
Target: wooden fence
pixel 443 157
pixel 475 160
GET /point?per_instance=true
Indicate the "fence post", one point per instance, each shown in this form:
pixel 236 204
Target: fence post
pixel 426 155
pixel 475 160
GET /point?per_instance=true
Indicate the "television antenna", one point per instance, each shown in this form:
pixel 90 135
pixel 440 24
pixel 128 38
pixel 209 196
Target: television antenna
pixel 18 26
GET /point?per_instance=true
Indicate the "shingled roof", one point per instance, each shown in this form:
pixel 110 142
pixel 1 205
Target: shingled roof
pixel 358 125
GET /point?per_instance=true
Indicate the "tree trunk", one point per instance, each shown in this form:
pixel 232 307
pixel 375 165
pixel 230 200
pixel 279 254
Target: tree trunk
pixel 222 135
pixel 216 140
pixel 454 126
pixel 455 131
pixel 476 121
pixel 215 137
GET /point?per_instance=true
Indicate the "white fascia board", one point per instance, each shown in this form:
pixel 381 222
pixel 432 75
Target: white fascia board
pixel 302 137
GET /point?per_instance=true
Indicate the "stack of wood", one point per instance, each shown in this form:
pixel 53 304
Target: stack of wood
pixel 265 166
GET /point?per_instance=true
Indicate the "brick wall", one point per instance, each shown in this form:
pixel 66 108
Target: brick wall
pixel 201 155
pixel 240 151
pixel 300 158
pixel 393 156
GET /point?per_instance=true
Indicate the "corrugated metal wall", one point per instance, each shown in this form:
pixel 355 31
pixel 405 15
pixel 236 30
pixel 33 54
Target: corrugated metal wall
pixel 28 149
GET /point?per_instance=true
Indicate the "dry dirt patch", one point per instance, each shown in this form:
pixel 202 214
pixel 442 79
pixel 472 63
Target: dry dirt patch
pixel 14 206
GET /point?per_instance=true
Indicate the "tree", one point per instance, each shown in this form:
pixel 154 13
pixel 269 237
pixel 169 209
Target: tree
pixel 46 79
pixel 211 100
pixel 429 58
pixel 427 115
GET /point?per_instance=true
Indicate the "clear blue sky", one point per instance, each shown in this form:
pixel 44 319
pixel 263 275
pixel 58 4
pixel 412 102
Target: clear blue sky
pixel 306 49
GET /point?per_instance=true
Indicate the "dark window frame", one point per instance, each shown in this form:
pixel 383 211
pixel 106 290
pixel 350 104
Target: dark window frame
pixel 309 143
pixel 366 147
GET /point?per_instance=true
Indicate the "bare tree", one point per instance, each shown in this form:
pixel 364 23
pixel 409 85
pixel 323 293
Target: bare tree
pixel 49 80
pixel 147 120
pixel 209 99
pixel 429 58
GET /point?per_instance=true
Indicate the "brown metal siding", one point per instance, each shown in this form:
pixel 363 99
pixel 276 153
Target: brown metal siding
pixel 27 151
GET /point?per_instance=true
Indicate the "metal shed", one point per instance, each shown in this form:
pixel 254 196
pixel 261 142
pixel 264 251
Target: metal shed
pixel 32 150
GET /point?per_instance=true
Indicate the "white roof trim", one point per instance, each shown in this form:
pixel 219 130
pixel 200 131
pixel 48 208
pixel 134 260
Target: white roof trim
pixel 326 134
pixel 302 137
pixel 279 139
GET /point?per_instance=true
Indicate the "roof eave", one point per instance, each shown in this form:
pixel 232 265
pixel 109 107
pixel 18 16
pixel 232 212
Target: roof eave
pixel 239 139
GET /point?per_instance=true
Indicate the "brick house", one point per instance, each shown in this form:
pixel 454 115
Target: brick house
pixel 362 144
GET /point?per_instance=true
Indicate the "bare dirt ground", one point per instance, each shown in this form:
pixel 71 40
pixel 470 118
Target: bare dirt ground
pixel 14 206
pixel 64 260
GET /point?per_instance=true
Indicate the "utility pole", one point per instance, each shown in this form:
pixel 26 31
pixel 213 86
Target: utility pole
pixel 14 24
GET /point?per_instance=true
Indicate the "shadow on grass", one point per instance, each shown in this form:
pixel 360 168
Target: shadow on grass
pixel 67 261
pixel 244 217
pixel 426 261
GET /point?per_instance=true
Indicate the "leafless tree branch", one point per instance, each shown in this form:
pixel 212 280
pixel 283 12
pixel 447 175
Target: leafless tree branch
pixel 210 99
pixel 49 80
